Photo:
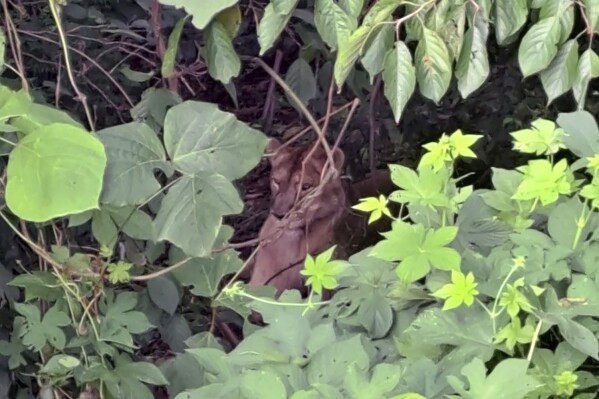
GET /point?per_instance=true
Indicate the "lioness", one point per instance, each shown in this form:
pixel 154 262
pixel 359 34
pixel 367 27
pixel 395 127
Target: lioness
pixel 303 215
pixel 307 219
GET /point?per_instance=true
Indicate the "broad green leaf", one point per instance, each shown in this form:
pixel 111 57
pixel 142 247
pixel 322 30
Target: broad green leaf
pixel 203 11
pixel 38 284
pixel 349 52
pixel 472 67
pixel 332 22
pixel 374 56
pixel 134 222
pixel 103 229
pixel 380 11
pixel 353 8
pixel 191 213
pixel 203 275
pixel 37 330
pixel 168 61
pixel 221 58
pixel 434 328
pixel 134 152
pixel 539 46
pixel 231 20
pixel 329 365
pixel 588 68
pixel 164 293
pixel 433 66
pixel 271 25
pixel 510 16
pixel 284 7
pixel 582 133
pixel 262 384
pixel 55 171
pixel 399 77
pixel 564 11
pixel 153 106
pixel 591 9
pixel 120 314
pixel 200 138
pixel 301 81
pixel 60 364
pixel 508 380
pixel 142 371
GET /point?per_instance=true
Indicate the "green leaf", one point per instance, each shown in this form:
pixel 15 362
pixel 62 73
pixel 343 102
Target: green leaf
pixel 349 52
pixel 332 22
pixel 461 290
pixel 37 331
pixel 399 77
pixel 419 250
pixel 262 384
pixel 508 380
pixel 55 171
pixel 514 333
pixel 200 138
pixel 588 68
pixel 433 66
pixel 142 371
pixel 60 364
pixel 544 137
pixel 134 152
pixel 168 61
pixel 203 11
pixel 38 285
pixel 560 75
pixel 582 133
pixel 374 57
pixel 472 67
pixel 301 81
pixel 591 9
pixel 564 11
pixel 539 46
pixel 510 16
pixel 204 274
pixel 544 181
pixel 136 76
pixel 164 293
pixel 222 60
pixel 272 24
pixel 119 272
pixel 191 213
pixel 329 365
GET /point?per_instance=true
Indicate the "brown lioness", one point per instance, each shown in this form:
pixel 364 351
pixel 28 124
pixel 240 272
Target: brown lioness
pixel 303 215
pixel 308 218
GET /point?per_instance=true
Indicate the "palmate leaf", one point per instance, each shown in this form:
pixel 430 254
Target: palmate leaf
pixel 191 213
pixel 508 380
pixel 418 249
pixel 200 138
pixel 134 152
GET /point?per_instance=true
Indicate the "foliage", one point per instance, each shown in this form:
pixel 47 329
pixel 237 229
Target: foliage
pixel 444 32
pixel 471 293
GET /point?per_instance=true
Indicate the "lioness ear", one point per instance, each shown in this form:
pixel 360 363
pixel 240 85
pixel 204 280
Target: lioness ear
pixel 272 145
pixel 338 158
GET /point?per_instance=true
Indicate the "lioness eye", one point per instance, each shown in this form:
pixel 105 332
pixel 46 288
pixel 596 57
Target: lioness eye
pixel 306 186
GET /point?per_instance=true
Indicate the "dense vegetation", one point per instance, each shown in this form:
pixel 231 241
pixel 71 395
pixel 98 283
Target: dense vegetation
pixel 132 133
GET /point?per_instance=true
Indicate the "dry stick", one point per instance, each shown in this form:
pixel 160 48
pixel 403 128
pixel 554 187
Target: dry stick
pixel 15 45
pixel 54 8
pixel 295 98
pixel 269 105
pixel 374 128
pixel 88 58
pixel 155 18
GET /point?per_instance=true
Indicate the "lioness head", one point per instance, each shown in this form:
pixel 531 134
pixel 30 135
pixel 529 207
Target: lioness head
pixel 286 179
